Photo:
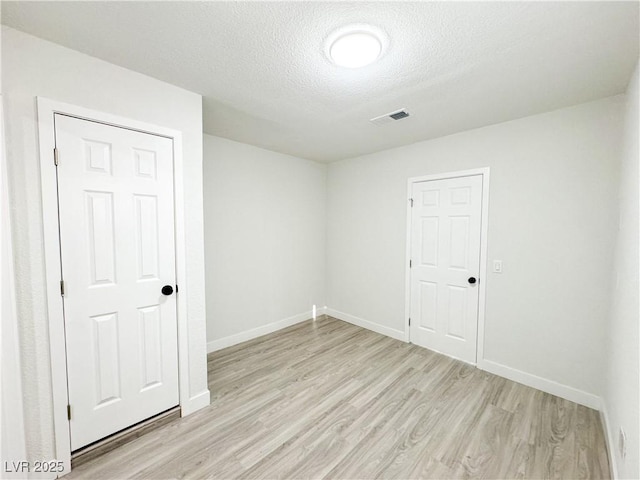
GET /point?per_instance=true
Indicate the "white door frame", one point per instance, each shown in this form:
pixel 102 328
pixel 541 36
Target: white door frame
pixel 46 133
pixel 482 280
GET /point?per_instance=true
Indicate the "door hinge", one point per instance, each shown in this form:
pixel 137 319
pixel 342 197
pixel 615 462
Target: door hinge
pixel 409 321
pixel 55 156
pixel 410 263
pixel 62 287
pixel 411 200
pixel 68 412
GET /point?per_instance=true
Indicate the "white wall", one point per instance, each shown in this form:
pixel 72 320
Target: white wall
pixel 552 220
pixel 621 394
pixel 32 67
pixel 12 441
pixel 264 239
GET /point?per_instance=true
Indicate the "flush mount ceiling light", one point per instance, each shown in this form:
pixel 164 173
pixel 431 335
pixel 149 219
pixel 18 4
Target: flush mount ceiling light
pixel 355 46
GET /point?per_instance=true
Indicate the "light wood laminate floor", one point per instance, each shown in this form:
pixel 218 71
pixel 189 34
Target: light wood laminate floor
pixel 327 399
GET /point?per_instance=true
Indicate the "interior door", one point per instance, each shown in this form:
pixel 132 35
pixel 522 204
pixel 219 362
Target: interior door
pixel 445 262
pixel 116 214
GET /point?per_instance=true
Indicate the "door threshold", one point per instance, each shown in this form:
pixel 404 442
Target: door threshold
pixel 104 445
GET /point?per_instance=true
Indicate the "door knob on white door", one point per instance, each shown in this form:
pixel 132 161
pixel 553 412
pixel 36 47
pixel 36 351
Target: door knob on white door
pixel 167 290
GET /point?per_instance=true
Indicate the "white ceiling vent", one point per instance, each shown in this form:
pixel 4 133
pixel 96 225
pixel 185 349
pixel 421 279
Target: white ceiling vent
pixel 390 117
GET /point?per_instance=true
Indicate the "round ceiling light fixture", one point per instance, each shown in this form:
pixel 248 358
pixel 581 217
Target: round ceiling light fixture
pixel 355 46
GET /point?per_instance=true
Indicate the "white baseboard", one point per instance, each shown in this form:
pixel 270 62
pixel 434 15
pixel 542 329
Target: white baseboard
pixel 195 403
pixel 360 322
pixel 539 383
pixel 609 439
pixel 237 338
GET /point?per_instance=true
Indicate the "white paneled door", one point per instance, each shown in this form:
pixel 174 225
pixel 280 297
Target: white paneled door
pixel 115 189
pixel 445 264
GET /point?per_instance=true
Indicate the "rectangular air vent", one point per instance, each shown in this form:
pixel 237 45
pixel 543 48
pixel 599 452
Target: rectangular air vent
pixel 399 115
pixel 390 117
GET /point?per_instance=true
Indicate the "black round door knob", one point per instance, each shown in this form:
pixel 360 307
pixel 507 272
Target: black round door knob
pixel 472 280
pixel 167 290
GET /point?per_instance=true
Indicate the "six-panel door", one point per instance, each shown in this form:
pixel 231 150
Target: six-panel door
pixel 445 261
pixel 115 190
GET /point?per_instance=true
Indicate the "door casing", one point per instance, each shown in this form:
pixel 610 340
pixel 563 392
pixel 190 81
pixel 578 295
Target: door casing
pixel 46 133
pixel 482 283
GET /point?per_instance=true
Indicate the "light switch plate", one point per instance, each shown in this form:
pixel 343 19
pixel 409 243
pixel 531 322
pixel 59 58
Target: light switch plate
pixel 497 266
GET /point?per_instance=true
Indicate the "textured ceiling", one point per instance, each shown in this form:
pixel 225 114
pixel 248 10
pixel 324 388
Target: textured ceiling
pixel 266 81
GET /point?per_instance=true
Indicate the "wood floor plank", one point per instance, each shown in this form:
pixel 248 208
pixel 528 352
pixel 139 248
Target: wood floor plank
pixel 327 399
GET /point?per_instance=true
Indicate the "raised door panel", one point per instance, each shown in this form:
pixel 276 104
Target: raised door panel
pixel 146 219
pixel 97 156
pixel 150 347
pixel 145 164
pixel 458 246
pixel 100 238
pixel 429 241
pixel 428 305
pixel 430 198
pixel 455 320
pixel 106 361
